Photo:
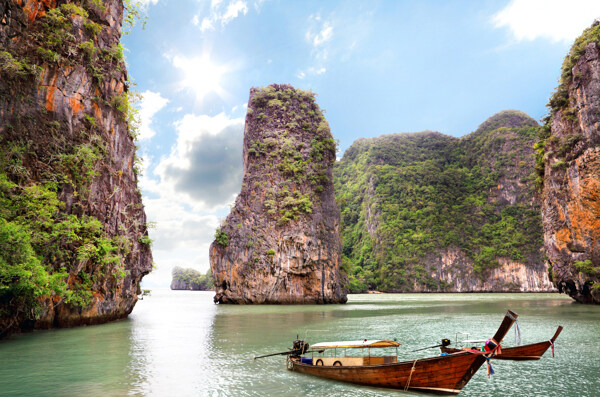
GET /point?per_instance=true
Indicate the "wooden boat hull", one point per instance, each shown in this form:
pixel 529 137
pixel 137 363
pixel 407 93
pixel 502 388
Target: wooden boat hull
pixel 533 351
pixel 444 374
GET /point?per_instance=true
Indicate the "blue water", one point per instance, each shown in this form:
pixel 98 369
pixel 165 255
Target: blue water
pixel 180 343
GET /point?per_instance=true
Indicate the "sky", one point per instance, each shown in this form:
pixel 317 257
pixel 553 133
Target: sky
pixel 377 67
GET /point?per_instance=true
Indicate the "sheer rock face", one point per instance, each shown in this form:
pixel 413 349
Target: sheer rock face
pixel 280 243
pixel 455 268
pixel 67 93
pixel 571 193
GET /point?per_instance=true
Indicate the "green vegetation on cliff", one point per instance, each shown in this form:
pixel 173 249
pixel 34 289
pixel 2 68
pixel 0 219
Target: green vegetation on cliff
pixel 288 155
pixel 40 245
pixel 560 98
pixel 406 198
pixel 547 145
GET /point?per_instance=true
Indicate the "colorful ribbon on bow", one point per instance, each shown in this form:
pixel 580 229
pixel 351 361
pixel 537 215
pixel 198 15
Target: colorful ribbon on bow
pixel 490 370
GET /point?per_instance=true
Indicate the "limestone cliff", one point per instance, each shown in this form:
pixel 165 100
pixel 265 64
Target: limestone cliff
pixel 68 180
pixel 454 269
pixel 426 212
pixel 280 242
pixel 569 160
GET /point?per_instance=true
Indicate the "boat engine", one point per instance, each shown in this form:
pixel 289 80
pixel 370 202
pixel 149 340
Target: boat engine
pixel 299 347
pixel 445 342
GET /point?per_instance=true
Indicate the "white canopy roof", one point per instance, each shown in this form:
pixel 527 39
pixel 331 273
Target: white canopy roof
pixel 354 344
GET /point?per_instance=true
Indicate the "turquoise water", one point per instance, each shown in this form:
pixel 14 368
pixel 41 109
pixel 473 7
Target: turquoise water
pixel 180 343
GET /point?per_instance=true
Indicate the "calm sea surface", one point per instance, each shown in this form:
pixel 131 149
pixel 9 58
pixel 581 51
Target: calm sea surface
pixel 178 343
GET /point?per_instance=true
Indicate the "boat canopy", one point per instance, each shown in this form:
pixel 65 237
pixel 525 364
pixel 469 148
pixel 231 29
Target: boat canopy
pixel 355 344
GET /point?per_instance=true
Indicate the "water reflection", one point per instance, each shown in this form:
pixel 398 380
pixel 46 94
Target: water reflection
pixel 71 362
pixel 171 343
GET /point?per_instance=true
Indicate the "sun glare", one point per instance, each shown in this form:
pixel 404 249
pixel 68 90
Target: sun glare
pixel 200 75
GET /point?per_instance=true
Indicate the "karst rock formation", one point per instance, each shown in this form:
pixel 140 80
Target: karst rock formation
pixel 280 242
pixel 569 161
pixel 67 165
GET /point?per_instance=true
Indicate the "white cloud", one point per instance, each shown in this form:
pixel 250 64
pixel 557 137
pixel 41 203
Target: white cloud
pixel 258 4
pixel 204 168
pixel 151 103
pixel 319 34
pixel 311 71
pixel 177 227
pixel 233 10
pixel 324 35
pixel 206 25
pixel 146 3
pixel 557 20
pixel 221 14
pixel 181 238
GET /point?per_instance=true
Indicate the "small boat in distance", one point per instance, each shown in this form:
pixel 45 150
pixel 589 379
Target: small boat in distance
pixel 533 351
pixel 446 374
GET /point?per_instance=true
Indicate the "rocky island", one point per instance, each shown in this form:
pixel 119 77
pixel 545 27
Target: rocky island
pixel 73 237
pixel 427 212
pixel 280 243
pixel 191 280
pixel 568 156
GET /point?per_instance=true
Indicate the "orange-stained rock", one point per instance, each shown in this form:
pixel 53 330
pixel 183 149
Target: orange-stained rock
pixel 50 92
pixel 35 9
pixel 97 112
pixel 563 237
pixel 571 193
pixel 76 105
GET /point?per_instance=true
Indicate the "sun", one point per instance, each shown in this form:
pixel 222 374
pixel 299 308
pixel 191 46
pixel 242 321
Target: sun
pixel 200 75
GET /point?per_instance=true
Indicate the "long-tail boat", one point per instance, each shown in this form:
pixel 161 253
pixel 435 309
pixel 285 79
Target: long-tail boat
pixel 446 374
pixel 533 351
